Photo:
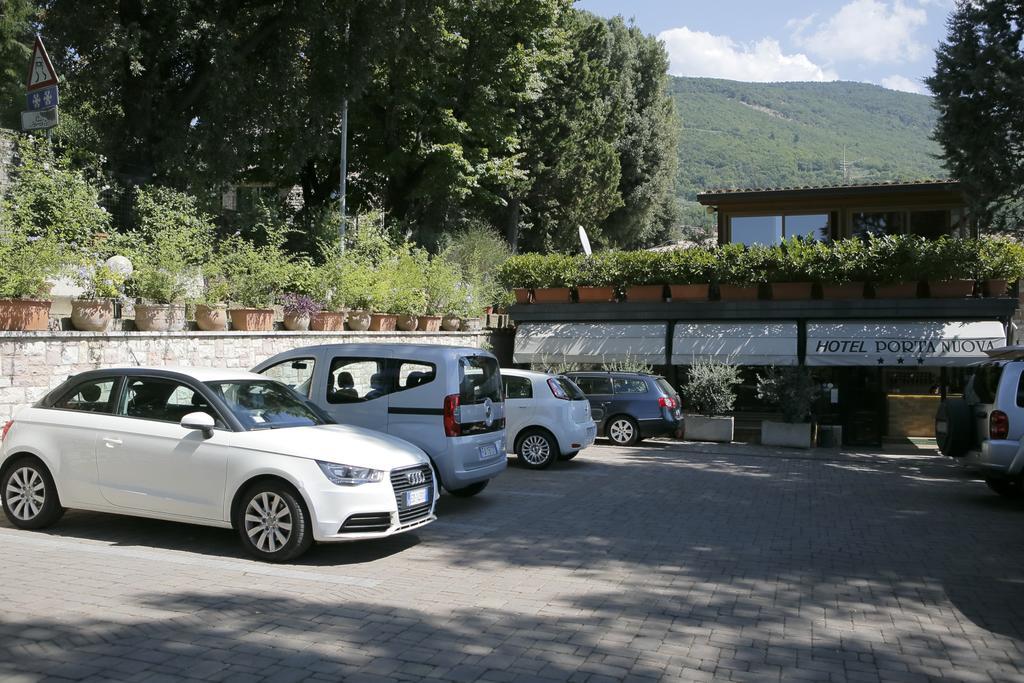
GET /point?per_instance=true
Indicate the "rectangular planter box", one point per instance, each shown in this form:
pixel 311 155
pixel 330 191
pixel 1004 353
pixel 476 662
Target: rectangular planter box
pixel 791 291
pixel 552 295
pixel 704 428
pixel 900 290
pixel 645 293
pixel 950 289
pixel 789 435
pixel 995 287
pixel 847 290
pixel 595 295
pixel 688 292
pixel 735 293
pixel 523 295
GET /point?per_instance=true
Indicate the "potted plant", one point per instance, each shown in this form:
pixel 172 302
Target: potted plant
pixel 326 286
pixel 28 260
pixel 740 271
pixel 211 308
pixel 893 263
pixel 787 267
pixel 640 276
pixel 408 288
pixel 950 266
pixel 161 294
pixel 298 310
pixel 520 274
pixel 555 275
pixel 361 291
pixel 93 310
pixel 710 393
pixel 597 278
pixel 1001 261
pixel 469 311
pixel 441 287
pixel 794 391
pixel 689 273
pixel 256 275
pixel 838 268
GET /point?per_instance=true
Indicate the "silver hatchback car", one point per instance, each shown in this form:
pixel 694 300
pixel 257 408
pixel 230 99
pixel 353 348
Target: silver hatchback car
pixel 446 400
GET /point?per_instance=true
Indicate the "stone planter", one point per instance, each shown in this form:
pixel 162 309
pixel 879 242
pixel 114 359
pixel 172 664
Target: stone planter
pixel 92 315
pixel 523 295
pixel 297 322
pixel 327 321
pixel 160 317
pixel 595 295
pixel 212 318
pixel 899 290
pixel 429 323
pixel 950 289
pixel 252 319
pixel 451 323
pixel 383 322
pixel 704 428
pixel 471 325
pixel 358 321
pixel 994 287
pixel 29 315
pixel 636 293
pixel 846 290
pixel 789 435
pixel 407 323
pixel 697 292
pixel 737 293
pixel 552 295
pixel 792 291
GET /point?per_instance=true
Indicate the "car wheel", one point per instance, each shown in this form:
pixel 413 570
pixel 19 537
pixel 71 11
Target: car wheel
pixel 471 490
pixel 954 427
pixel 273 523
pixel 568 456
pixel 29 495
pixel 1008 488
pixel 623 430
pixel 536 449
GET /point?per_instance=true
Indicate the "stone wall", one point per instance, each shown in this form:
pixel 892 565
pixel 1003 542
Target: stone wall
pixel 32 363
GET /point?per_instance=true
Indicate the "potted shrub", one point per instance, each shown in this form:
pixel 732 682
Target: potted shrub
pixel 689 273
pixel 597 277
pixel 640 275
pixel 787 269
pixel 161 293
pixel 950 266
pixel 794 391
pixel 360 290
pixel 256 275
pixel 555 275
pixel 740 271
pixel 299 310
pixel 710 393
pixel 838 268
pixel 408 298
pixel 1000 262
pixel 211 306
pixel 326 286
pixel 93 311
pixel 441 287
pixel 28 260
pixel 893 263
pixel 520 275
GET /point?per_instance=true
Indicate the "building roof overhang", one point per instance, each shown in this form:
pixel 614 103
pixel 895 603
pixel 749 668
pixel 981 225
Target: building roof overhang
pixel 952 189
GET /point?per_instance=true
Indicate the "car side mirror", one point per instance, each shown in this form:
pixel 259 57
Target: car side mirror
pixel 200 421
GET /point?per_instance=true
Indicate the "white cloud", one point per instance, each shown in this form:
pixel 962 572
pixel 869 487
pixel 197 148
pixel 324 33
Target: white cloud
pixel 697 53
pixel 905 84
pixel 865 31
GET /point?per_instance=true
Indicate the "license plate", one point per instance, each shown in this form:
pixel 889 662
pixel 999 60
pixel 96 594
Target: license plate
pixel 488 451
pixel 417 497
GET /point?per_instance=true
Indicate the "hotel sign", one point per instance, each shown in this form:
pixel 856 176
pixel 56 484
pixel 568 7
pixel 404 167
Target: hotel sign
pixel 912 343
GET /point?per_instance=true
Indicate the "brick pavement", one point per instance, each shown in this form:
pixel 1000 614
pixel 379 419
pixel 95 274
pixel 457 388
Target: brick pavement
pixel 684 562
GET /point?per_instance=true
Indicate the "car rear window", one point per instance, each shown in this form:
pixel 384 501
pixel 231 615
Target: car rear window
pixel 570 388
pixel 984 383
pixel 479 379
pixel 665 386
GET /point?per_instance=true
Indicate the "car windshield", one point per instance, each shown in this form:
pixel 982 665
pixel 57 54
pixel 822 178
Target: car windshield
pixel 265 404
pixel 570 388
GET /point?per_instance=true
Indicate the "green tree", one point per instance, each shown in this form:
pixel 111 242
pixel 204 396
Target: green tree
pixel 17 23
pixel 979 94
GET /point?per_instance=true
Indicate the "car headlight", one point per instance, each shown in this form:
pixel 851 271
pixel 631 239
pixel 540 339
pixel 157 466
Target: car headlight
pixel 347 475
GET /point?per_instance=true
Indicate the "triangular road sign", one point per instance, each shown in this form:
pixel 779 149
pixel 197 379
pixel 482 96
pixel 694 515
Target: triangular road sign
pixel 41 73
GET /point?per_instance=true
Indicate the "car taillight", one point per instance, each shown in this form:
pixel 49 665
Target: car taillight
pixel 451 421
pixel 6 428
pixel 998 425
pixel 557 389
pixel 667 402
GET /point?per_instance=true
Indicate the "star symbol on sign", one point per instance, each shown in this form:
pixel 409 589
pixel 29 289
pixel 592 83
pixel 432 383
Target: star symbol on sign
pixel 920 361
pixel 35 100
pixel 881 360
pixel 899 360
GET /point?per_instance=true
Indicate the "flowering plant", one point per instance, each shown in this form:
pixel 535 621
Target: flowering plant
pixel 300 305
pixel 100 282
pixel 28 260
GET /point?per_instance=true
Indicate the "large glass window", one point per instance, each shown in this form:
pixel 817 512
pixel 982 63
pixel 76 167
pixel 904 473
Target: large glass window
pixel 863 223
pixel 809 225
pixel 768 230
pixel 930 224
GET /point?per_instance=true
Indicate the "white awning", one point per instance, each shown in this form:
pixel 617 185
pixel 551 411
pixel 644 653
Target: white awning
pixel 911 343
pixel 735 343
pixel 590 343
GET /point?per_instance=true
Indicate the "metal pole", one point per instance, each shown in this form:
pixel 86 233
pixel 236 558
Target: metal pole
pixel 344 170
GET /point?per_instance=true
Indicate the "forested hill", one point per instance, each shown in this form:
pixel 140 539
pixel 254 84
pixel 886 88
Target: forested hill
pixel 773 134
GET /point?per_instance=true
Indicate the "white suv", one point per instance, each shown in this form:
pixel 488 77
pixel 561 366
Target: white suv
pixel 984 430
pixel 547 417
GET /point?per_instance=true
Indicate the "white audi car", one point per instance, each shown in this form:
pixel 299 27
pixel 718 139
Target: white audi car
pixel 220 448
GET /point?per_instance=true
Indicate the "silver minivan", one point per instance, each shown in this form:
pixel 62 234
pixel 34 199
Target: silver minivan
pixel 447 400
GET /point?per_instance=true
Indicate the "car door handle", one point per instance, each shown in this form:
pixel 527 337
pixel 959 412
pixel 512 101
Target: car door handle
pixel 111 442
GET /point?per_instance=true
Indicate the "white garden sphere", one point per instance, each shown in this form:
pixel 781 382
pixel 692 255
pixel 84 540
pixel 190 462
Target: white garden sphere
pixel 120 265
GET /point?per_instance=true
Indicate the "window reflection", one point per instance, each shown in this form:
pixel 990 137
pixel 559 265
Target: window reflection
pixel 864 223
pixel 751 230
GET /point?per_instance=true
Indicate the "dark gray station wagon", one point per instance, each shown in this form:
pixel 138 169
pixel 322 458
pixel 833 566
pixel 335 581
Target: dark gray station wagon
pixel 630 406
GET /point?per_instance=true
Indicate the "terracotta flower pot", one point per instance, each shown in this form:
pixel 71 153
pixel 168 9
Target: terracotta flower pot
pixel 29 315
pixel 471 325
pixel 407 323
pixel 327 321
pixel 523 295
pixel 160 317
pixel 297 322
pixel 212 318
pixel 995 287
pixel 383 322
pixel 792 291
pixel 451 323
pixel 950 289
pixel 737 293
pixel 594 295
pixel 846 290
pixel 636 293
pixel 252 319
pixel 358 321
pixel 92 315
pixel 898 290
pixel 688 292
pixel 552 295
pixel 429 323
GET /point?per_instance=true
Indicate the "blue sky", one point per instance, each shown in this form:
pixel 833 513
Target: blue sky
pixel 887 42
